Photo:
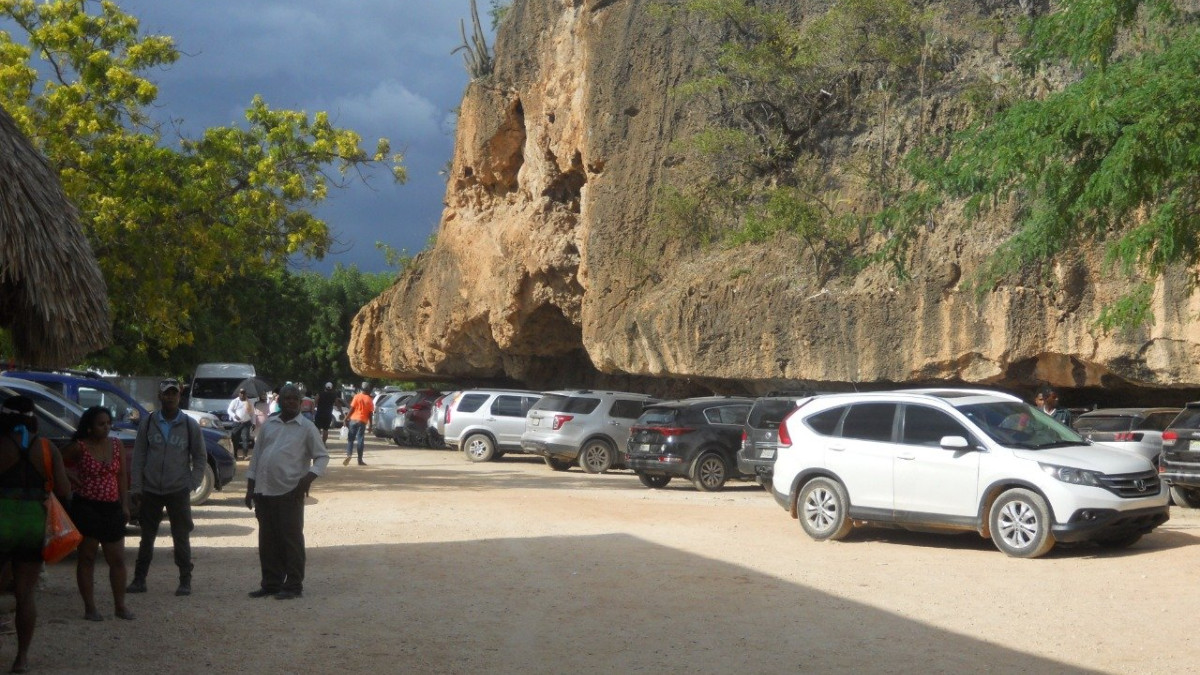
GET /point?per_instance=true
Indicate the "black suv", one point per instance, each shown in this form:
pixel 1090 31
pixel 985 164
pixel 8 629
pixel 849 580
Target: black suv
pixel 696 438
pixel 760 435
pixel 1179 463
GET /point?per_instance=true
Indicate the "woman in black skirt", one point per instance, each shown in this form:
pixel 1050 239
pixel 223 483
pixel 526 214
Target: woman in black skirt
pixel 100 506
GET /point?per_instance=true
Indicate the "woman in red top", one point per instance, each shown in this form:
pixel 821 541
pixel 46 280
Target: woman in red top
pixel 100 506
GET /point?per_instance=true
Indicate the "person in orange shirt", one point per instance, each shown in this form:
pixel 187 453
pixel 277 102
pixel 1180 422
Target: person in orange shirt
pixel 359 423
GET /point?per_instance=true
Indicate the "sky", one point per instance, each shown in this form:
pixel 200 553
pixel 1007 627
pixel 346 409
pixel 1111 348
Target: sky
pixel 383 68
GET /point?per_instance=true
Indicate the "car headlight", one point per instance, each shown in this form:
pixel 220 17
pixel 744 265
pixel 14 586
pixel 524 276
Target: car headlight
pixel 1069 474
pixel 205 422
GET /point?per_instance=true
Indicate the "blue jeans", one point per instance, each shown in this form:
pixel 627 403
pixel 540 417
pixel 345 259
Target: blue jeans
pixel 355 429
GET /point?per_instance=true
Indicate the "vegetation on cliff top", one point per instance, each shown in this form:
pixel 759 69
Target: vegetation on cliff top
pixel 1111 157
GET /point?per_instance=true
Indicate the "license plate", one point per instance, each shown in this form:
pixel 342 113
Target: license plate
pixel 1194 446
pixel 768 454
pixel 643 447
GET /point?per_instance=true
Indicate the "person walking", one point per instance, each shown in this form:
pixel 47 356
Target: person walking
pixel 24 487
pixel 326 401
pixel 289 456
pixel 99 507
pixel 241 413
pixel 168 463
pixel 359 423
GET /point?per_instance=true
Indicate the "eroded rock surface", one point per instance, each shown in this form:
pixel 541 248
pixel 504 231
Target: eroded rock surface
pixel 547 269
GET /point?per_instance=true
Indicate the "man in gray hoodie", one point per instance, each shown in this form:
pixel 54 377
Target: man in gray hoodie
pixel 168 463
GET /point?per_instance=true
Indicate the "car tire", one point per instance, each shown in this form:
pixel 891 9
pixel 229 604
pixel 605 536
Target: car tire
pixel 205 488
pixel 557 464
pixel 479 448
pixel 1189 498
pixel 596 456
pixel 1020 523
pixel 823 509
pixel 654 482
pixel 398 438
pixel 710 472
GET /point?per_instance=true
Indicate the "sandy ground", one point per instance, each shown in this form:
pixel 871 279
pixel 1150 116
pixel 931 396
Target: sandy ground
pixel 424 563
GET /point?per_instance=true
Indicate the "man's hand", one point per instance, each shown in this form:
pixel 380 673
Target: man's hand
pixel 306 483
pixel 135 501
pixel 250 494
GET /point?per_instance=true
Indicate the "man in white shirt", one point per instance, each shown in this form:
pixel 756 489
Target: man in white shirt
pixel 241 413
pixel 288 457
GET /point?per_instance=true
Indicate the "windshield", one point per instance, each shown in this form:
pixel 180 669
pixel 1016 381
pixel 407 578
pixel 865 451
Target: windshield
pixel 1019 425
pixel 215 387
pixel 1103 423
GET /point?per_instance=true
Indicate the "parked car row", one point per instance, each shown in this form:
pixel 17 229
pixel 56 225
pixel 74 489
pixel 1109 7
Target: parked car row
pixel 948 460
pixel 60 398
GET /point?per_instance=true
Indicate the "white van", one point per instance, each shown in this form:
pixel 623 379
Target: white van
pixel 215 384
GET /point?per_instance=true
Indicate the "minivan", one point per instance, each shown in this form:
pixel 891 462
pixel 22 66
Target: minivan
pixel 214 385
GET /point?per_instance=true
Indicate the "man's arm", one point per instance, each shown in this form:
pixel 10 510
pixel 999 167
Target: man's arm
pixel 199 455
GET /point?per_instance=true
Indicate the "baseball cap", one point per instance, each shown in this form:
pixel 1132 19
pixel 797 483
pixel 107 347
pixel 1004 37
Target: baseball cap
pixel 169 383
pixel 329 385
pixel 366 385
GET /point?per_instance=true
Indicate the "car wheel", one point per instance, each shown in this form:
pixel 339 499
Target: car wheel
pixel 557 464
pixel 596 456
pixel 398 438
pixel 1020 524
pixel 654 481
pixel 1186 497
pixel 823 509
pixel 479 448
pixel 1123 541
pixel 710 472
pixel 205 488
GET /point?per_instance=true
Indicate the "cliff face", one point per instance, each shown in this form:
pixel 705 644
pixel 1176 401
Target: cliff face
pixel 547 270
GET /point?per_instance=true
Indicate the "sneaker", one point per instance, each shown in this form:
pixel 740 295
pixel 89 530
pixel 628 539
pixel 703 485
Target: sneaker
pixel 262 593
pixel 185 588
pixel 136 586
pixel 361 463
pixel 288 595
pixel 346 462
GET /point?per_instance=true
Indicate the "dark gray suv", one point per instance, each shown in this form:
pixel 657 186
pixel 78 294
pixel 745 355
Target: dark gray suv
pixel 760 435
pixel 696 438
pixel 1179 463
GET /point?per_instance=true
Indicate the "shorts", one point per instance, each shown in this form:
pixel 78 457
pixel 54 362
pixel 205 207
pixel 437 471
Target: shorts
pixel 323 421
pixel 102 521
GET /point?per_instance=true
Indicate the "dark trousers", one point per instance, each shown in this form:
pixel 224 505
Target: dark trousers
pixel 242 435
pixel 179 513
pixel 281 540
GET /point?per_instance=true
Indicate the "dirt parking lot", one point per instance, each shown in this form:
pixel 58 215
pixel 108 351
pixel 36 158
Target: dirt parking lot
pixel 424 563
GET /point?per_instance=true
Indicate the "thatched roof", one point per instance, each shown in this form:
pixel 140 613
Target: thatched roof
pixel 52 295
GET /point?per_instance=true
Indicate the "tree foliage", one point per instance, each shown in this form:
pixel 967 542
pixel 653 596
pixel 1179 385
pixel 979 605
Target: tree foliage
pixel 174 222
pixel 782 86
pixel 1112 157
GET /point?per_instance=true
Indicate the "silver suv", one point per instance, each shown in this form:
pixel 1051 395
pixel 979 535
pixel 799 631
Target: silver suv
pixel 585 426
pixel 486 423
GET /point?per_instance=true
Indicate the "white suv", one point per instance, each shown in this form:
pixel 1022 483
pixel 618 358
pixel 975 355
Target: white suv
pixel 960 460
pixel 486 423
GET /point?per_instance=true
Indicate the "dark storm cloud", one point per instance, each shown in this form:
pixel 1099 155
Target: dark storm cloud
pixel 380 67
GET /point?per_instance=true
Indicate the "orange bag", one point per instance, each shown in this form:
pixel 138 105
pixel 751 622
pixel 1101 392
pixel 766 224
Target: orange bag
pixel 61 535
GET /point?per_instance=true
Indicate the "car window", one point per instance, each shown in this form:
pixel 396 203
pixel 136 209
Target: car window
pixel 579 405
pixel 1104 423
pixel 1020 425
pixel 655 417
pixel 507 405
pixel 1189 418
pixel 727 414
pixel 121 409
pixel 624 408
pixel 528 402
pixel 54 407
pixel 826 421
pixel 926 426
pixel 471 402
pixel 870 421
pixel 768 413
pixel 1157 421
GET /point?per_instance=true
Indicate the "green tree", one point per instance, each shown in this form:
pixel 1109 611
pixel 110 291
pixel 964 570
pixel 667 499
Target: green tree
pixel 781 86
pixel 1113 157
pixel 172 224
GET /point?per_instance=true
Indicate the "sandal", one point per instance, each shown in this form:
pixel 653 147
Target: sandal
pixel 125 614
pixel 93 616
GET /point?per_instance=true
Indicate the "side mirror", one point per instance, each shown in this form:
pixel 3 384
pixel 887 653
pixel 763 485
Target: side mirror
pixel 955 443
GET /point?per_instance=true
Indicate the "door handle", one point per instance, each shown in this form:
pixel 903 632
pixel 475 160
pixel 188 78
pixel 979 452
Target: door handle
pixel 906 456
pixel 838 448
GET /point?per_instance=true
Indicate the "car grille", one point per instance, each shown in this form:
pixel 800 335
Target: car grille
pixel 1132 485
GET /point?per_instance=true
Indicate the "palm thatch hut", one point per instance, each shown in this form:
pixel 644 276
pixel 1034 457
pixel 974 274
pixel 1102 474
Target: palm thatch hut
pixel 53 300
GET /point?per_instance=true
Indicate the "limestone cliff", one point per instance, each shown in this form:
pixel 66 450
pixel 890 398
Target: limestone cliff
pixel 547 270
